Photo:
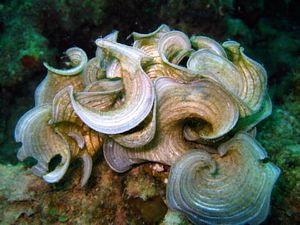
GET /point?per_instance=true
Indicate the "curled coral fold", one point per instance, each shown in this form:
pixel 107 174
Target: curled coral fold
pixel 142 103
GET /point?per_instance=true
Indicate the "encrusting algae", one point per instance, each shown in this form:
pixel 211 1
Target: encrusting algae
pixel 189 103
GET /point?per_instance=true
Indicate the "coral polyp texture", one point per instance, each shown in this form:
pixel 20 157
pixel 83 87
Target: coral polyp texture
pixel 190 103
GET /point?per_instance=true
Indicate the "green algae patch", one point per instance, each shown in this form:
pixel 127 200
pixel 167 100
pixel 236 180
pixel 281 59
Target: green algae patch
pixel 280 135
pixel 175 218
pixel 15 183
pixel 63 218
pixel 141 187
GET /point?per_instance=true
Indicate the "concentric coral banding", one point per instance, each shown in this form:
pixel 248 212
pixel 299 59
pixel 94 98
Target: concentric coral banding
pixel 254 73
pixel 35 134
pixel 78 59
pixel 200 42
pixel 142 103
pixel 179 103
pixel 139 94
pixel 233 188
pixel 57 79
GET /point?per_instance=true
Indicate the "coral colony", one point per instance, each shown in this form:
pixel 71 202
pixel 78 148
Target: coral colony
pixel 190 103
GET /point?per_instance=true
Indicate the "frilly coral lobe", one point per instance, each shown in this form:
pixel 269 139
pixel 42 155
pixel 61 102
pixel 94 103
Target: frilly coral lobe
pixel 142 103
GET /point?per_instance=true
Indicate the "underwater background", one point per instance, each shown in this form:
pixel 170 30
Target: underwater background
pixel 35 31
